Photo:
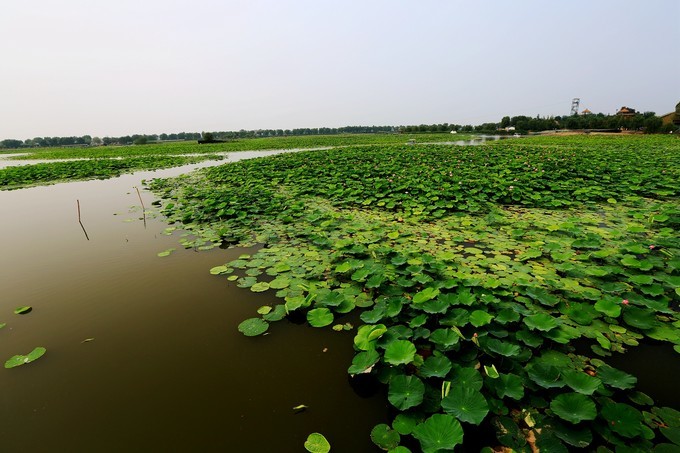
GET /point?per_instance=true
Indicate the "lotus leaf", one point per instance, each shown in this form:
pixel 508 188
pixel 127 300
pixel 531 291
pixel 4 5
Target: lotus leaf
pixel 404 423
pixel 320 317
pixel 480 318
pixel 440 432
pixel 623 419
pixel 317 443
pixel 363 362
pixel 541 321
pixel 385 437
pixel 19 360
pixel 405 391
pixel 400 352
pixel 581 382
pixel 367 335
pixel 467 378
pixel 253 326
pixel 437 365
pixel 425 295
pixel 579 437
pixel 509 385
pixel 22 310
pixel 259 287
pixel 545 375
pixel 573 407
pixel 467 404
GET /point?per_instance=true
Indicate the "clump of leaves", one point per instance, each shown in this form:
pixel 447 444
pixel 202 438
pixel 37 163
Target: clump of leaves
pixel 475 270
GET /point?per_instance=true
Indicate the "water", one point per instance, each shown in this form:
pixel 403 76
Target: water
pixel 167 369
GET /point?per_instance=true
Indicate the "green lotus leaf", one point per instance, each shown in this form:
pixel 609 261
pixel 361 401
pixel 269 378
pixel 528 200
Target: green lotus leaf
pixel 623 419
pixel 672 434
pixel 259 287
pixel 503 348
pixel 440 432
pixel 573 407
pixel 263 310
pixel 480 318
pixel 253 327
pixel 581 313
pixel 246 282
pixel 279 282
pixel 641 399
pixel 529 338
pixel 545 375
pixel 317 443
pixel 668 415
pixel 373 316
pixel 616 378
pixel 434 306
pixel 563 334
pixel 508 433
pixel 320 317
pixel 400 352
pixel 277 314
pixel 581 382
pixel 642 318
pixel 367 335
pixel 467 404
pixel 547 441
pixel 437 365
pixel 467 377
pixel 579 437
pixel 425 295
pixel 444 338
pixel 19 360
pixel 541 321
pixel 166 252
pixel 405 391
pixel 22 310
pixel 2 324
pixel 542 296
pixel 609 306
pixel 385 437
pixel 404 423
pixel 363 362
pixel 509 385
pixel 507 315
pixel 330 299
pixel 219 270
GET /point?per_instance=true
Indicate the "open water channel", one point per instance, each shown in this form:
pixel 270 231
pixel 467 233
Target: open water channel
pixel 166 368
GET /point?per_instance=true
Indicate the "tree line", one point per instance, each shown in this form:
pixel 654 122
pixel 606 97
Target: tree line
pixel 647 122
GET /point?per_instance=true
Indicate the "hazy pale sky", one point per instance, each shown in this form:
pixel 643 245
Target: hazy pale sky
pixel 76 67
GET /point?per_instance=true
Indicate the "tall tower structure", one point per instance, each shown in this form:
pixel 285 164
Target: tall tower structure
pixel 574 106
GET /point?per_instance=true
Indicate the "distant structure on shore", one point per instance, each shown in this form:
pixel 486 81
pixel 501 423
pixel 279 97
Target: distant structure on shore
pixel 626 112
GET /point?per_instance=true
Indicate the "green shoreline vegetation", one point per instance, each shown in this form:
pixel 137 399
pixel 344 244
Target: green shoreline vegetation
pixel 101 162
pixel 492 282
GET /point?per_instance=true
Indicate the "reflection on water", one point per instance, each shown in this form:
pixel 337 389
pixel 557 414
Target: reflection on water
pixel 167 369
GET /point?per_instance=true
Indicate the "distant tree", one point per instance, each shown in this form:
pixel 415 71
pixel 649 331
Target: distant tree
pixel 96 141
pixel 505 122
pixel 140 140
pixel 11 143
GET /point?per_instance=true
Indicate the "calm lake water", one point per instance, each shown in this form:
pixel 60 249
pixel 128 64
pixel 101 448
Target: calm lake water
pixel 167 369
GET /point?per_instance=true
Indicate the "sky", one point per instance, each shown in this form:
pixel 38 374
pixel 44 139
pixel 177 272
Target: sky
pixel 112 68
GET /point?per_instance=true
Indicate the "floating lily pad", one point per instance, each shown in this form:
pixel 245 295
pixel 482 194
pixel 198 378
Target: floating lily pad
pixel 541 321
pixel 363 362
pixel 253 327
pixel 467 404
pixel 385 437
pixel 19 360
pixel 22 310
pixel 317 443
pixel 440 432
pixel 581 382
pixel 573 407
pixel 319 317
pixel 623 419
pixel 405 391
pixel 400 352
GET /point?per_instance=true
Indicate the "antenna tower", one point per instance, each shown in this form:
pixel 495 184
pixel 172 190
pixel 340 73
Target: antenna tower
pixel 574 106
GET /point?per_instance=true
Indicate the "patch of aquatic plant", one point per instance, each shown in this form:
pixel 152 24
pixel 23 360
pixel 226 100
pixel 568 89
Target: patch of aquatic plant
pixel 250 144
pixel 19 359
pixel 47 173
pixel 470 307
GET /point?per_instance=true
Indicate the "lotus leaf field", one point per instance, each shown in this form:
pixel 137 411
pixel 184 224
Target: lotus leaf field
pixel 492 283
